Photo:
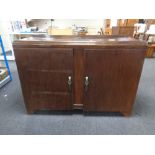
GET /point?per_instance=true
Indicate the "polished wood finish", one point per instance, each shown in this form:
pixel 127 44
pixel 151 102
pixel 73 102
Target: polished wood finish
pixel 113 79
pixel 113 65
pixel 44 76
pixel 93 41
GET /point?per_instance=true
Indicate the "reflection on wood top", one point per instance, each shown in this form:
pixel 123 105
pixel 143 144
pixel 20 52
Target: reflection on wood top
pixel 90 40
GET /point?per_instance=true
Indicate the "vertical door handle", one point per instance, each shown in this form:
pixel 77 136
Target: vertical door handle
pixel 70 83
pixel 86 83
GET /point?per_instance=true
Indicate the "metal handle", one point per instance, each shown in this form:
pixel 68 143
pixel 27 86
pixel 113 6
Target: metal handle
pixel 69 83
pixel 86 83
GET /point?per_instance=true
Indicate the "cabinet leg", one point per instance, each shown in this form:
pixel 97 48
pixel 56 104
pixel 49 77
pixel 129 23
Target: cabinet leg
pixel 126 113
pixel 30 111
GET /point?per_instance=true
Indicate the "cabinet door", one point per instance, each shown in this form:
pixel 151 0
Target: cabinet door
pixel 44 75
pixel 112 78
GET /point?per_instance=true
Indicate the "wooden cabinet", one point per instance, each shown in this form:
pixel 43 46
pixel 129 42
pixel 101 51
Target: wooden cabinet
pixel 90 73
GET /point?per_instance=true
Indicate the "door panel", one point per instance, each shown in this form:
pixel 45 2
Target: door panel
pixel 50 100
pixel 113 78
pixel 49 81
pixel 50 59
pixel 45 80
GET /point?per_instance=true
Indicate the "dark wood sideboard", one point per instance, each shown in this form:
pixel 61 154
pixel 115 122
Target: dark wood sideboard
pixel 92 73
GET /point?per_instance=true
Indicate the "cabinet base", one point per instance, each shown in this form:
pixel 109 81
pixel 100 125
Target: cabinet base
pixel 126 113
pixel 30 111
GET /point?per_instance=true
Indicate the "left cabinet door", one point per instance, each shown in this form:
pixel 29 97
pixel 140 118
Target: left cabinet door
pixel 46 76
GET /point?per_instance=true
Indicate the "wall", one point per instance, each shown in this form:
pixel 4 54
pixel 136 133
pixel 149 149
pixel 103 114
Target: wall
pixel 113 22
pixel 93 25
pixel 5 29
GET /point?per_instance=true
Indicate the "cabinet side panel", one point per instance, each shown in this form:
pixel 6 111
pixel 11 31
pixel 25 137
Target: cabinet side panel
pixel 21 62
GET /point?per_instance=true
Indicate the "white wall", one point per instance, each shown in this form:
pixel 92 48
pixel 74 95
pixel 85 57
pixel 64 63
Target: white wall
pixel 97 23
pixel 113 22
pixel 5 29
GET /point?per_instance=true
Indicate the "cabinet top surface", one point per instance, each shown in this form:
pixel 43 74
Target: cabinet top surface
pixel 80 41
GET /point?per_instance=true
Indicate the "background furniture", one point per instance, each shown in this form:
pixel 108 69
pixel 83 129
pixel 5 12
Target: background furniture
pixel 126 22
pixel 5 74
pixel 91 73
pixel 107 27
pixel 56 31
pixel 123 30
pixel 150 33
pixel 140 30
pixel 150 51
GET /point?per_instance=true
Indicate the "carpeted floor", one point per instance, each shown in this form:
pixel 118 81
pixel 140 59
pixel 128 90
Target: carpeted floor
pixel 14 120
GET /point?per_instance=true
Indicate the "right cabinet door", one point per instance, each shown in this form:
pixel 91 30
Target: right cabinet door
pixel 111 78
